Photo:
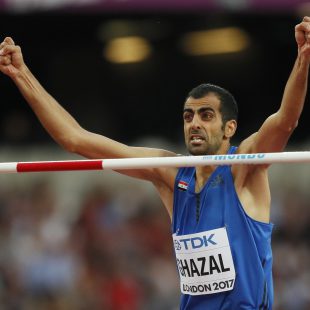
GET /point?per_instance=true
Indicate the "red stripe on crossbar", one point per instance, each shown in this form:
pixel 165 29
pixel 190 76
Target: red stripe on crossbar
pixel 59 166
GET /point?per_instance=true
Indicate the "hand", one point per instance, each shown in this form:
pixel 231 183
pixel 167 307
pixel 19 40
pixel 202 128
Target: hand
pixel 11 58
pixel 302 36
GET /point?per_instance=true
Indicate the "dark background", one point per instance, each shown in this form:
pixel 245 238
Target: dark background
pixel 125 102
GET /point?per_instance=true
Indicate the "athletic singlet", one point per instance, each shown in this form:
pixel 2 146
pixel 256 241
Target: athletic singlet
pixel 197 219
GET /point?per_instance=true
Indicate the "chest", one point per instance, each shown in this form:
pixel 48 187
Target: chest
pixel 206 208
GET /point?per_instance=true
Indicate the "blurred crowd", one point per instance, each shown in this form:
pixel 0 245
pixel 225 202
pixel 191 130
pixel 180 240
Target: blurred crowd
pixel 291 250
pixel 116 252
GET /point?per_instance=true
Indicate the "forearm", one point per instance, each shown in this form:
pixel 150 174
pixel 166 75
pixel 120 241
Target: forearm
pixel 294 93
pixel 54 118
pixel 65 130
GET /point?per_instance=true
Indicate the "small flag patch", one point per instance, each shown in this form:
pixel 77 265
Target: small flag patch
pixel 182 185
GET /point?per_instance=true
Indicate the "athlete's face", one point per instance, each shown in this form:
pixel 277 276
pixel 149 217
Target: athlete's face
pixel 203 125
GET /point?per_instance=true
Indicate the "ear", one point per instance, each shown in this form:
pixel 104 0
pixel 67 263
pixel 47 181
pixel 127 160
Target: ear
pixel 230 128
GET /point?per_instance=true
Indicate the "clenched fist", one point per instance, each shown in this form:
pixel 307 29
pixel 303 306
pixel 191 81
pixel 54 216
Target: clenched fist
pixel 11 58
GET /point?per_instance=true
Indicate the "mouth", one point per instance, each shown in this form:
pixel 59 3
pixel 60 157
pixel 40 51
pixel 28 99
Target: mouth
pixel 196 139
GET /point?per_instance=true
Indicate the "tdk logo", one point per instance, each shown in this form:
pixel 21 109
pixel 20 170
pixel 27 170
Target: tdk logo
pixel 195 243
pixel 177 245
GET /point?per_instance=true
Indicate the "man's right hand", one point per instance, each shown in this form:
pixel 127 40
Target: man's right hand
pixel 11 58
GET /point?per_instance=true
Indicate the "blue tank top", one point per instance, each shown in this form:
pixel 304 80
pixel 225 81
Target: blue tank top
pixel 250 240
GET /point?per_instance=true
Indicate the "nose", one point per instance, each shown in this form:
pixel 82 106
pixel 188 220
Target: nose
pixel 196 122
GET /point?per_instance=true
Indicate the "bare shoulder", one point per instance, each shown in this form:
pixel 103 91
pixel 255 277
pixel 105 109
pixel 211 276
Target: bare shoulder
pixel 246 146
pixel 163 179
pixel 242 172
pixel 160 177
pixel 166 176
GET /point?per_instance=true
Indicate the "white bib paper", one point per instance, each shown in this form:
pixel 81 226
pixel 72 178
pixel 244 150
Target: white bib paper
pixel 204 262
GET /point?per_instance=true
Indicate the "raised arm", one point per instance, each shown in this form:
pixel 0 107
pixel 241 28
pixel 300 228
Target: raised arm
pixel 63 128
pixel 276 130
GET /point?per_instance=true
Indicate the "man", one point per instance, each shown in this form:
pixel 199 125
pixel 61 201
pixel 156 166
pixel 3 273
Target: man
pixel 220 215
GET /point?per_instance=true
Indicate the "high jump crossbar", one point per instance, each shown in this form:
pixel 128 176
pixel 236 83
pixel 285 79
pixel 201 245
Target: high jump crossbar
pixel 155 162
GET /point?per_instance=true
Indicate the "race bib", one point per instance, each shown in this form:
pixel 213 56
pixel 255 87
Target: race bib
pixel 205 262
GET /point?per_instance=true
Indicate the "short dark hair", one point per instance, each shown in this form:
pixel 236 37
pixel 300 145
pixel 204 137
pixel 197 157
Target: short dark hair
pixel 229 107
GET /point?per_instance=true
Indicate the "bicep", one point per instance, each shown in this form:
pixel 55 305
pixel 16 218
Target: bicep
pixel 95 146
pixel 271 137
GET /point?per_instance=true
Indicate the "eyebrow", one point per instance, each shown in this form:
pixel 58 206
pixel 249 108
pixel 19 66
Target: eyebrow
pixel 201 110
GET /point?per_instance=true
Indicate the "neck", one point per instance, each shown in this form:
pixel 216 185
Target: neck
pixel 204 172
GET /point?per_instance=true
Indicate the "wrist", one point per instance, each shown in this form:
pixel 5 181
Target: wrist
pixel 302 62
pixel 21 73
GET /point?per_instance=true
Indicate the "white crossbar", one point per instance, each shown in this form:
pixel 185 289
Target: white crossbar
pixel 155 162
